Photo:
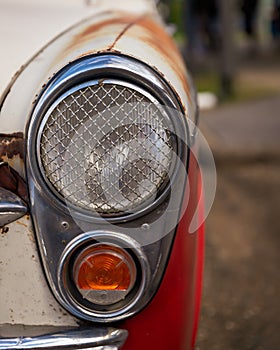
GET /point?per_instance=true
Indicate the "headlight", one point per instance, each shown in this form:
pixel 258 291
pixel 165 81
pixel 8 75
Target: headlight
pixel 106 147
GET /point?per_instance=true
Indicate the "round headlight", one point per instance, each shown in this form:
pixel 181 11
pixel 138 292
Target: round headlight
pixel 106 147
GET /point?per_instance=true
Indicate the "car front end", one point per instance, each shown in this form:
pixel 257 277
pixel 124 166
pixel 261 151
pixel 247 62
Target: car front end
pixel 100 189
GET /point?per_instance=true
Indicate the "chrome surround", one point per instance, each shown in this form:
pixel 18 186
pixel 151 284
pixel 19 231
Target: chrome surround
pixel 123 308
pixel 75 339
pixel 90 214
pixel 56 225
pixel 11 207
pixel 99 68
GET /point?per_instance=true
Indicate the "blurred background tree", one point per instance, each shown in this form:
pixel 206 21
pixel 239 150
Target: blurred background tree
pixel 219 37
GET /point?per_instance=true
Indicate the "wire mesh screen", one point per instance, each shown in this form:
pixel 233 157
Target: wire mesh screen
pixel 106 147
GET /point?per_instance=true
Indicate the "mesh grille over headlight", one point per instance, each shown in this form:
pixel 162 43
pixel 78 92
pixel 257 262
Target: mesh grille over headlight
pixel 106 147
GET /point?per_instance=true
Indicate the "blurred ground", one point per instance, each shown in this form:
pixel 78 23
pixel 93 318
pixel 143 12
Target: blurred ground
pixel 240 308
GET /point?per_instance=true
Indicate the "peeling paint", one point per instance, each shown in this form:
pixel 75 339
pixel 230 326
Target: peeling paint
pixel 11 145
pixel 31 237
pixel 108 23
pixel 153 34
pixel 21 223
pixel 93 29
pixel 146 32
pixel 123 32
pixel 12 181
pixel 12 151
pixel 4 230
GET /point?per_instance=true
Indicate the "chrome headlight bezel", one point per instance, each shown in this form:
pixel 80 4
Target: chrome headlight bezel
pixel 152 227
pixel 83 308
pixel 99 69
pixel 163 153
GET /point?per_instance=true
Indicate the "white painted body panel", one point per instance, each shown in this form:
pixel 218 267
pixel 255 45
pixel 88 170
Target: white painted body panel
pixel 25 296
pixel 67 48
pixel 28 25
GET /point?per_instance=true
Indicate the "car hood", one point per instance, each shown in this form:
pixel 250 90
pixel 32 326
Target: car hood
pixel 27 25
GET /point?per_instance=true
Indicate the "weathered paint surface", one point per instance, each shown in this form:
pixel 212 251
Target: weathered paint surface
pixel 11 144
pixel 12 150
pixel 144 38
pixel 138 36
pixel 12 181
pixel 160 52
pixel 25 295
pixel 12 164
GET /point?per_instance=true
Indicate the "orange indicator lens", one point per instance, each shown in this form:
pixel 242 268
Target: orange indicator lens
pixel 104 267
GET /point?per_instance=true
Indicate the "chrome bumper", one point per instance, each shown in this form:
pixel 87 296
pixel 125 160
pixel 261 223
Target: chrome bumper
pixel 71 339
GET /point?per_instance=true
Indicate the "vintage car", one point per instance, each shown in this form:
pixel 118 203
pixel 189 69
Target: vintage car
pixel 101 242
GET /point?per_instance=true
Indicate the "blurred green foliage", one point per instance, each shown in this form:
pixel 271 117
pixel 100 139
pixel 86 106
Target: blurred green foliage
pixel 176 16
pixel 206 72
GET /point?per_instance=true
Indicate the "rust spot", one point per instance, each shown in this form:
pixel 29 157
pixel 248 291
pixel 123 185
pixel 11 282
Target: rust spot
pixel 174 91
pixel 31 236
pixel 155 36
pixel 100 82
pixel 35 99
pixel 123 32
pixel 4 230
pixel 93 30
pixel 149 31
pixel 12 181
pixel 22 224
pixel 11 145
pixel 152 33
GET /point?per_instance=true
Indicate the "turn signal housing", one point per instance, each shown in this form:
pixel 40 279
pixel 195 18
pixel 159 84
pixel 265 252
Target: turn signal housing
pixel 104 274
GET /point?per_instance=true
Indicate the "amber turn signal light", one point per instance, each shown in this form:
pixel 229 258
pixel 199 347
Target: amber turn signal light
pixel 104 274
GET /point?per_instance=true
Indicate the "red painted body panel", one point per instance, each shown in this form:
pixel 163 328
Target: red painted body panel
pixel 171 319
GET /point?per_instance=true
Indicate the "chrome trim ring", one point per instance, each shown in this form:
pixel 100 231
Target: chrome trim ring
pixel 120 120
pixel 73 301
pixel 63 226
pixel 101 68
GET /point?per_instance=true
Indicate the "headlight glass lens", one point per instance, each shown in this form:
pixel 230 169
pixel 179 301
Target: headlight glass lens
pixel 106 147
